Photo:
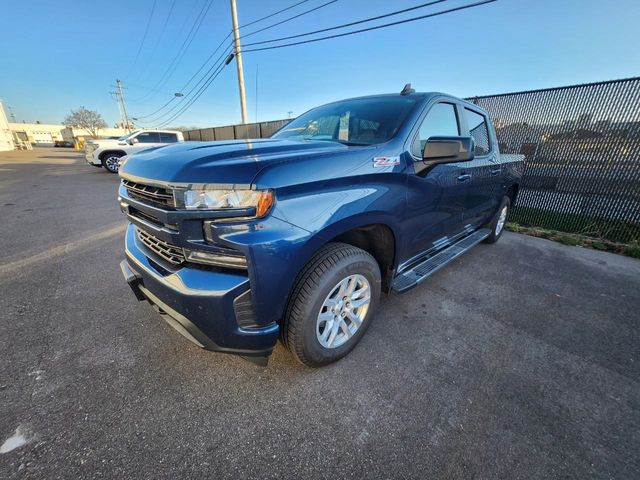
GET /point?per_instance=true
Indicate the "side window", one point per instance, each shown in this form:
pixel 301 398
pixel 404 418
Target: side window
pixel 441 121
pixel 168 137
pixel 148 137
pixel 479 131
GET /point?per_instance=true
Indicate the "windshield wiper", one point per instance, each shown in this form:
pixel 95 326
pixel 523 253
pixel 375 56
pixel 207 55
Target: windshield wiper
pixel 337 140
pixel 352 144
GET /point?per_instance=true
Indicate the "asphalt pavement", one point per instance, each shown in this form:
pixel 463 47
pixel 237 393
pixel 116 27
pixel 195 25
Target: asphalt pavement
pixel 519 360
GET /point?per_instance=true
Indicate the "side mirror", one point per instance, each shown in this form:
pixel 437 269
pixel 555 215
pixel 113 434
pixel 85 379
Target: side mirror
pixel 133 141
pixel 448 150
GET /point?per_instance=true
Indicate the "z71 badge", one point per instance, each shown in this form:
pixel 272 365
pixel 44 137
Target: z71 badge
pixel 386 161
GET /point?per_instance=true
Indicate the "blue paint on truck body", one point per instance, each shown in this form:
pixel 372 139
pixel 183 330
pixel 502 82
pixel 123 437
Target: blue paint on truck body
pixel 322 190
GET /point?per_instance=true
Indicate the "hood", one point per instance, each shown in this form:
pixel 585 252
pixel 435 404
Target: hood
pixel 223 162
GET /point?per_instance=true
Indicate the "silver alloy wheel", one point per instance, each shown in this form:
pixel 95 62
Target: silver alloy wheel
pixel 112 163
pixel 501 220
pixel 343 311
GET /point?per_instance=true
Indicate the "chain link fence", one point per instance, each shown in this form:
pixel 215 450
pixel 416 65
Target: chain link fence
pixel 582 150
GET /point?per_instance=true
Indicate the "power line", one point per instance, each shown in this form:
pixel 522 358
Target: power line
pixel 413 19
pixel 273 14
pixel 217 66
pixel 156 111
pixel 198 95
pixel 157 43
pixel 370 19
pixel 229 35
pixel 244 35
pixel 217 72
pixel 195 27
pixel 218 62
pixel 192 77
pixel 144 36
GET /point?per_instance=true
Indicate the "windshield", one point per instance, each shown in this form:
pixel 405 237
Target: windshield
pixel 122 139
pixel 363 121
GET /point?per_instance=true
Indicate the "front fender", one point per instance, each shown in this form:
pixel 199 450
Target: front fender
pixel 280 245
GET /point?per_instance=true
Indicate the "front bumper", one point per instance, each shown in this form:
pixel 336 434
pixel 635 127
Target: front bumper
pixel 92 161
pixel 198 303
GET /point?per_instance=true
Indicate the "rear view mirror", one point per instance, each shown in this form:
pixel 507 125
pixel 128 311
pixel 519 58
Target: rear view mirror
pixel 448 150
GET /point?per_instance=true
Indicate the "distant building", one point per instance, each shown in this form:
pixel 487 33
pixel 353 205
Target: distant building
pixel 6 137
pixel 45 134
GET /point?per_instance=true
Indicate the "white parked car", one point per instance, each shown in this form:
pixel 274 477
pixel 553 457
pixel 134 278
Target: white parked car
pixel 107 153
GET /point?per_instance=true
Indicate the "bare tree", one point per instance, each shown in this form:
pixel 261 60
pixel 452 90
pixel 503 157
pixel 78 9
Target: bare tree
pixel 90 120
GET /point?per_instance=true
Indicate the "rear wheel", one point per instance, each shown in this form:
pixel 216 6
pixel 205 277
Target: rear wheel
pixel 499 220
pixel 110 162
pixel 333 302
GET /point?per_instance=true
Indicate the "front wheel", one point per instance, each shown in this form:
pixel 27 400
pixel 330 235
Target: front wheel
pixel 333 302
pixel 111 162
pixel 499 220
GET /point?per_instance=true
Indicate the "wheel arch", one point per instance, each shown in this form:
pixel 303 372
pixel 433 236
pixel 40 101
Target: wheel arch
pixel 106 152
pixel 376 233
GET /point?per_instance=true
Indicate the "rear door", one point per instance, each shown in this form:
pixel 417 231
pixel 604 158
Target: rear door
pixel 484 186
pixel 435 195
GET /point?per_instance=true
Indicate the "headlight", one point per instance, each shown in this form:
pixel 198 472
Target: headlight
pixel 261 200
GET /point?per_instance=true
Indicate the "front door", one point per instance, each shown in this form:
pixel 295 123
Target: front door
pixel 148 139
pixel 436 195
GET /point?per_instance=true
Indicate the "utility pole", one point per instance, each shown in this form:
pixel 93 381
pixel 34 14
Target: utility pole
pixel 13 117
pixel 124 109
pixel 115 96
pixel 238 55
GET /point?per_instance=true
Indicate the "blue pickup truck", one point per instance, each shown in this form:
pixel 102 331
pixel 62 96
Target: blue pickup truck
pixel 295 237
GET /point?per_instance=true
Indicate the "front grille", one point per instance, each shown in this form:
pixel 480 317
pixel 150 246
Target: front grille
pixel 170 253
pixel 134 212
pixel 148 193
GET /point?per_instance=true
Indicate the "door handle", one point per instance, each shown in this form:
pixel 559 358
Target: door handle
pixel 465 177
pixel 495 172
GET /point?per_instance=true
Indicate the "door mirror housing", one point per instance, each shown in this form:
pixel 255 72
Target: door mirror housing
pixel 133 141
pixel 447 150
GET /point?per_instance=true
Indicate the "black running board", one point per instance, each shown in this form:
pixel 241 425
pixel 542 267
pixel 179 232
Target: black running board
pixel 410 278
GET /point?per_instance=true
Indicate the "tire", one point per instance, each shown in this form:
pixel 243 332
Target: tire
pixel 110 161
pixel 310 338
pixel 498 222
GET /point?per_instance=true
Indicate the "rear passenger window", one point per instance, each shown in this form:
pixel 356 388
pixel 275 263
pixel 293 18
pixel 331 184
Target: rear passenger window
pixel 441 121
pixel 168 137
pixel 479 131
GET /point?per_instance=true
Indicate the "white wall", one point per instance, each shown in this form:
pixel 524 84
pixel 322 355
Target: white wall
pixel 6 137
pixel 46 133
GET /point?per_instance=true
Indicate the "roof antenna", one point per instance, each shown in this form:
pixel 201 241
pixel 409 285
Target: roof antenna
pixel 407 90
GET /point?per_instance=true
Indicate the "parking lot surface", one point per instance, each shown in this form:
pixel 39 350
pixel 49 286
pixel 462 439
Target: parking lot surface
pixel 519 360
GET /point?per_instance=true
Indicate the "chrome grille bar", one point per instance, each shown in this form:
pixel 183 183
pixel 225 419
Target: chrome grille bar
pixel 170 253
pixel 140 191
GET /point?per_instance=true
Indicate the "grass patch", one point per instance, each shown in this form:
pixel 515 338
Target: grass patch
pixel 618 231
pixel 631 249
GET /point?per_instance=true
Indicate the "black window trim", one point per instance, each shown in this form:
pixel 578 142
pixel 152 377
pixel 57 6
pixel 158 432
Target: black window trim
pixel 423 116
pixel 486 122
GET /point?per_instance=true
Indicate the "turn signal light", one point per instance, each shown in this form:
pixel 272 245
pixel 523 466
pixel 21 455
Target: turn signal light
pixel 265 202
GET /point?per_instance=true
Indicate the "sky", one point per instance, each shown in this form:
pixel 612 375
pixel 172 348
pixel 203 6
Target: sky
pixel 57 56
